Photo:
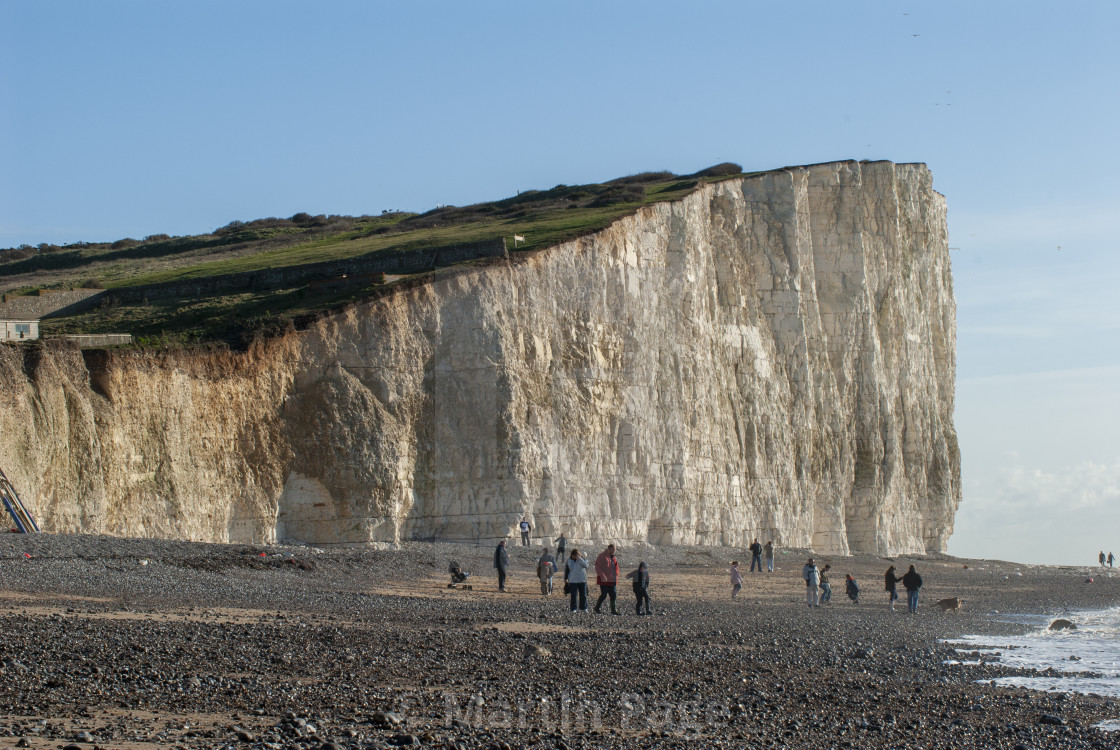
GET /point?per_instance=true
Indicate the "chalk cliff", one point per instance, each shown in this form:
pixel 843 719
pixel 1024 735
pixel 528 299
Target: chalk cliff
pixel 771 356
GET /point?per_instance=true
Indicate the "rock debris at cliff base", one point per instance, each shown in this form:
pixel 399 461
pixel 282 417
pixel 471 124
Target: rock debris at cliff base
pixel 770 356
pixel 142 643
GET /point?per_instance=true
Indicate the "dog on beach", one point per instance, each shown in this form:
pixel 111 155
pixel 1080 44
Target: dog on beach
pixel 950 605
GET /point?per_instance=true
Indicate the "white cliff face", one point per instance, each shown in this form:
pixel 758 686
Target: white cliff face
pixel 772 356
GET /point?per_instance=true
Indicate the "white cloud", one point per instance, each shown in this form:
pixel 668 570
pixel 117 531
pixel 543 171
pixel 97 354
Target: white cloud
pixel 1083 487
pixel 1031 515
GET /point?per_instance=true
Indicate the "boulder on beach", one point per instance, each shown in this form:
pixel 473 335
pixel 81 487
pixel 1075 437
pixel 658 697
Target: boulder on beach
pixel 532 650
pixel 1061 624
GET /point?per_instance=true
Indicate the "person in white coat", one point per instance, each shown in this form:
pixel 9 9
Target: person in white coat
pixel 575 580
pixel 812 576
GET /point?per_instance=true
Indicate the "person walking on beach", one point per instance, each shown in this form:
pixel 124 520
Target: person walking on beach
pixel 1101 558
pixel 736 580
pixel 640 578
pixel 525 529
pixel 501 564
pixel 606 575
pixel 812 578
pixel 561 546
pixel 852 589
pixel 575 580
pixel 826 587
pixel 768 552
pixel 891 581
pixel 756 555
pixel 912 581
pixel 1110 558
pixel 546 566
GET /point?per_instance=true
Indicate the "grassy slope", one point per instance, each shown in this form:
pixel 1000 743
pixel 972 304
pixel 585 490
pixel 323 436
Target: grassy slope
pixel 544 218
pixel 541 228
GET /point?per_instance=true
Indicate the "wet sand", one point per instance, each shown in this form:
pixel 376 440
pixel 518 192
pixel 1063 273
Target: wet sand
pixel 145 643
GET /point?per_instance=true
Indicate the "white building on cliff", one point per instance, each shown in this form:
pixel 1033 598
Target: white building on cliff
pixel 18 330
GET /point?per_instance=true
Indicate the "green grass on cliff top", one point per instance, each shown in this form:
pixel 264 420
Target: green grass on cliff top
pixel 545 218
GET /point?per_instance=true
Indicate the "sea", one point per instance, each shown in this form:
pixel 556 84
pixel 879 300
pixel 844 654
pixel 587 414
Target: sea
pixel 1087 659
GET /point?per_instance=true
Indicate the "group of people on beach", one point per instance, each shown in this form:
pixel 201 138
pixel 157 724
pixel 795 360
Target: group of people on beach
pixel 1110 559
pixel 818 587
pixel 575 567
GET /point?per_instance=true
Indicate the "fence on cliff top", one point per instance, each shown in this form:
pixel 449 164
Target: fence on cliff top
pixel 98 340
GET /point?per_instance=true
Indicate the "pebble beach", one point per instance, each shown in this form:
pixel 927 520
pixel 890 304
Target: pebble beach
pixel 130 643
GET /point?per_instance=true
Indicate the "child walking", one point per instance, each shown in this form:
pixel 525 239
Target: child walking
pixel 826 585
pixel 890 581
pixel 736 580
pixel 640 577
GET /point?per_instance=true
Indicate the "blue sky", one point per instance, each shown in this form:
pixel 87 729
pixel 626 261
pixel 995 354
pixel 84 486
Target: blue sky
pixel 123 119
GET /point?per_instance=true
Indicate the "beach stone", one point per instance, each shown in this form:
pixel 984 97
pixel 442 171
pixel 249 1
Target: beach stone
pixel 1061 624
pixel 387 719
pixel 1051 719
pixel 534 651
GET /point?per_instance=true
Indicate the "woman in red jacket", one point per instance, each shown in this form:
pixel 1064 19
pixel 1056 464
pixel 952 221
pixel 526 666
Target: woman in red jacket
pixel 606 575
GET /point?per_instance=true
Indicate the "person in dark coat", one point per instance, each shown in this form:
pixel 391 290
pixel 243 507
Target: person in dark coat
pixel 501 564
pixel 891 581
pixel 561 546
pixel 912 581
pixel 756 555
pixel 852 588
pixel 640 579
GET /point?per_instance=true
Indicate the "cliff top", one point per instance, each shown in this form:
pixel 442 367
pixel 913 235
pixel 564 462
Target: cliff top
pixel 543 217
pixel 168 290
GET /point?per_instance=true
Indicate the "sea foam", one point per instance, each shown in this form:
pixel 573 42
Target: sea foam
pixel 1087 659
